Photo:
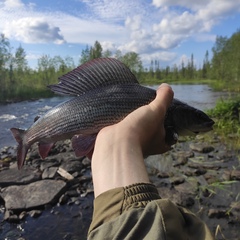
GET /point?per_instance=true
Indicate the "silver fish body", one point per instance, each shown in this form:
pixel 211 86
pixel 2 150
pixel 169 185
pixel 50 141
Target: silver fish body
pixel 96 106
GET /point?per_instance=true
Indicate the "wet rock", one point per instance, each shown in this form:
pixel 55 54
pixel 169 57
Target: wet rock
pixel 235 206
pixel 201 147
pixel 217 213
pixel 226 175
pixel 63 199
pixel 189 188
pixel 72 166
pixel 35 213
pixel 72 193
pixel 195 163
pixel 23 215
pixel 177 180
pixel 181 157
pixel 176 197
pixel 49 163
pixel 163 175
pixel 49 173
pixel 86 162
pixel 211 176
pixel 16 177
pixel 235 175
pixel 33 195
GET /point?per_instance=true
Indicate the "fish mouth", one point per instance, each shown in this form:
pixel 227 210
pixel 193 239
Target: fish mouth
pixel 205 127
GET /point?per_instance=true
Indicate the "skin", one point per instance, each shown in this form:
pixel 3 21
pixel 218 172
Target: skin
pixel 117 160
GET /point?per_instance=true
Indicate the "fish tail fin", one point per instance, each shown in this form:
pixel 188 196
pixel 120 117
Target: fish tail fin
pixel 22 148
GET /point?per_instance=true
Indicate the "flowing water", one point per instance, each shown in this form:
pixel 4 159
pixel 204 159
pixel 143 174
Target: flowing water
pixel 22 114
pixel 70 221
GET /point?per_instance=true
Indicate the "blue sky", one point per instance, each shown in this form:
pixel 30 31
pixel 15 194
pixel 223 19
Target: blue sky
pixel 165 30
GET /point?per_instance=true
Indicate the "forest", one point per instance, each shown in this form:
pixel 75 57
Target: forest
pixel 19 82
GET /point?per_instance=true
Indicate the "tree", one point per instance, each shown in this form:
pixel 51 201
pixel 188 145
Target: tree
pixel 219 49
pixel 133 61
pixel 85 55
pixel 96 50
pixel 206 66
pixel 5 57
pixel 107 53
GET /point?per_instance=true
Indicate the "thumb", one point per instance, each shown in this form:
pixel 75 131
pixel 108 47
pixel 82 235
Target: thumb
pixel 163 99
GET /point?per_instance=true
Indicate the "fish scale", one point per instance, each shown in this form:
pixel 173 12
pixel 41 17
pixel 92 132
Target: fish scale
pixel 105 92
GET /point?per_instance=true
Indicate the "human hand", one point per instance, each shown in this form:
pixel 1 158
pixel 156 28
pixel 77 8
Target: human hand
pixel 119 149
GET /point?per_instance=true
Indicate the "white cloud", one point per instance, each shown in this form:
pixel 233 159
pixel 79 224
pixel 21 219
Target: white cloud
pixel 34 30
pixel 13 4
pixel 153 29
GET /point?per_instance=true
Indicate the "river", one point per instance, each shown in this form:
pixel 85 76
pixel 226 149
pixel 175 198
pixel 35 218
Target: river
pixel 22 114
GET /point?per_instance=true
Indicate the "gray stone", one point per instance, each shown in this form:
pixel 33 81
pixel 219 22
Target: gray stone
pixel 235 175
pixel 49 163
pixel 201 147
pixel 35 213
pixel 49 173
pixel 86 161
pixel 33 195
pixel 14 176
pixel 177 180
pixel 72 166
pixel 217 213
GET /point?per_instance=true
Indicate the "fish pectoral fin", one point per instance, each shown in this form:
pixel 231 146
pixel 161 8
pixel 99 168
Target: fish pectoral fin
pixel 44 149
pixel 83 145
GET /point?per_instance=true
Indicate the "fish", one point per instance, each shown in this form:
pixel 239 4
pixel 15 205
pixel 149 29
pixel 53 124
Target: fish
pixel 104 91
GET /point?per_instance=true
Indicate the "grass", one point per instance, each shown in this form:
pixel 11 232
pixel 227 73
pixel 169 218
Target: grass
pixel 227 120
pixel 21 93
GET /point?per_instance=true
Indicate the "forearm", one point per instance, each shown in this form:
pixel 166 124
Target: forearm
pixel 117 160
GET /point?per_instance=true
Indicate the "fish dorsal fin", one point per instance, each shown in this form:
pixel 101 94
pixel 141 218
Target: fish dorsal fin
pixel 93 74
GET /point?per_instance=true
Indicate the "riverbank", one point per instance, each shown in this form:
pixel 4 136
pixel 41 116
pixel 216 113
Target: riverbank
pixel 23 93
pixel 54 197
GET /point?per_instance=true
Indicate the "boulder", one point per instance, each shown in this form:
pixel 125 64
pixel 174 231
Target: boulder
pixel 33 195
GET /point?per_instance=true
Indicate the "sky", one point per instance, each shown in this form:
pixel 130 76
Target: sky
pixel 165 30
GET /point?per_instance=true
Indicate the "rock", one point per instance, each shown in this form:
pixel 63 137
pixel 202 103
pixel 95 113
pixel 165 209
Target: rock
pixel 23 215
pixel 226 175
pixel 177 180
pixel 217 213
pixel 49 173
pixel 17 177
pixel 35 213
pixel 201 147
pixel 176 197
pixel 72 193
pixel 49 163
pixel 33 195
pixel 211 176
pixel 235 206
pixel 163 175
pixel 86 162
pixel 72 166
pixel 63 199
pixel 235 174
pixel 189 187
pixel 196 163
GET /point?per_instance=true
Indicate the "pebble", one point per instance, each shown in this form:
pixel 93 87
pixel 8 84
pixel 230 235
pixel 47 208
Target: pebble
pixel 183 175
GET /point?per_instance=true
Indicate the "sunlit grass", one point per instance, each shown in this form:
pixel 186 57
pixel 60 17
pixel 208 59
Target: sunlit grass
pixel 227 120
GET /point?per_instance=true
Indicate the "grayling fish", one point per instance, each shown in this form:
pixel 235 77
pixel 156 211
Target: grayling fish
pixel 105 92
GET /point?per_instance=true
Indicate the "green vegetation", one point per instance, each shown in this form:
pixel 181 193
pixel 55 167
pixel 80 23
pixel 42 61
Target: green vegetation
pixel 227 115
pixel 18 81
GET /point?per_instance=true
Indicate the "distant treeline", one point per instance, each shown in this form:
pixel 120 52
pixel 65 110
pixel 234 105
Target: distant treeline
pixel 18 81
